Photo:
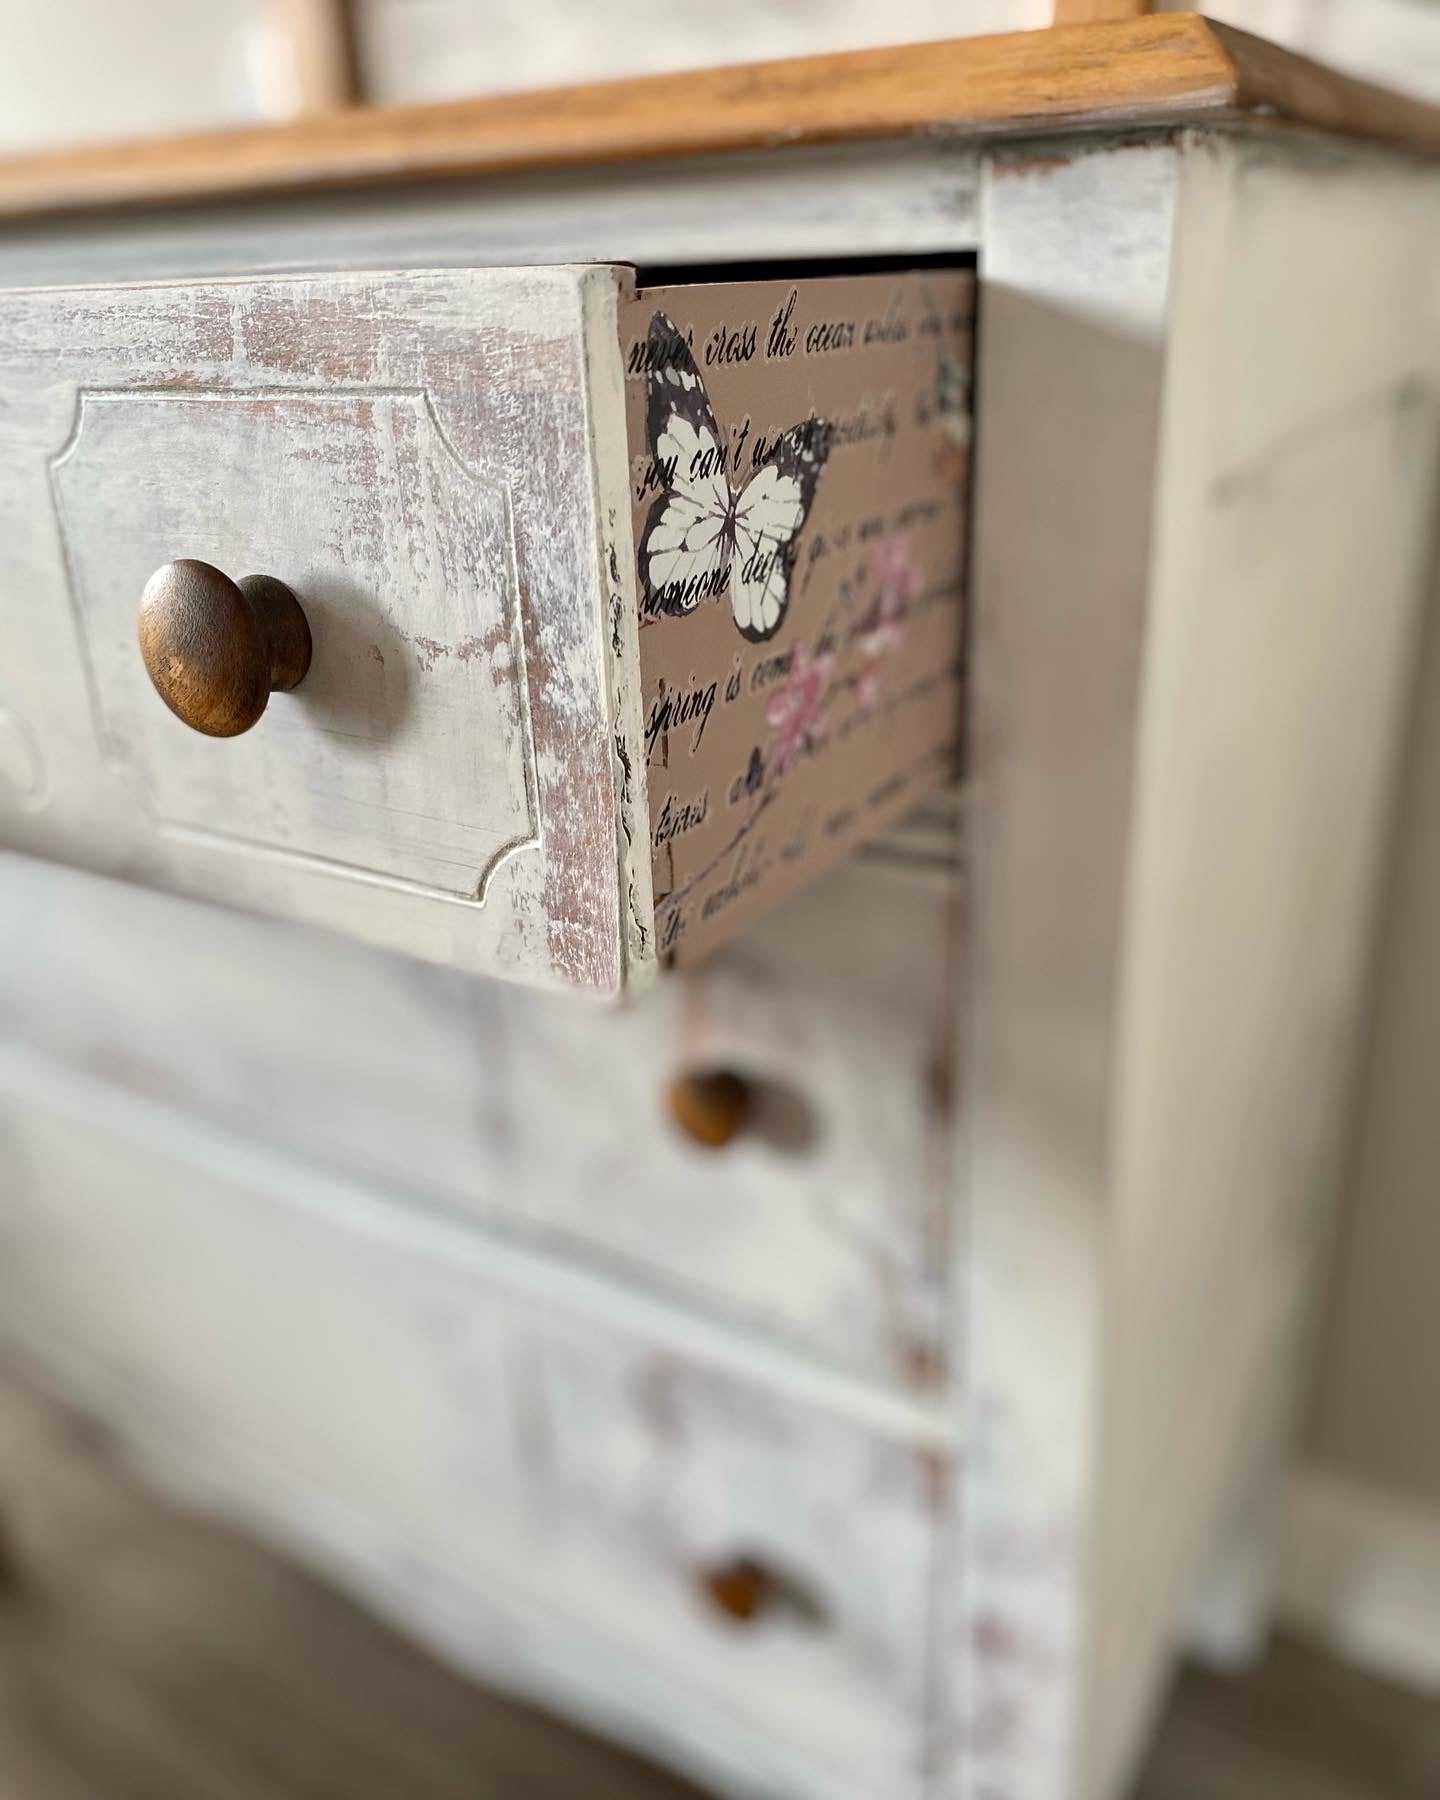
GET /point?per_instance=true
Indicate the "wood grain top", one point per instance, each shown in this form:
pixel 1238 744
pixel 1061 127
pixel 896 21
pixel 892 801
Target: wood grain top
pixel 1151 70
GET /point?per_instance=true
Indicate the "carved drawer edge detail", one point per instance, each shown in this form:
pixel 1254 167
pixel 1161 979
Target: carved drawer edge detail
pixel 257 848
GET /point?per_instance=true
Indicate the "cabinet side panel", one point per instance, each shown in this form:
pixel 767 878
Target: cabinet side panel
pixel 1294 561
pixel 1074 291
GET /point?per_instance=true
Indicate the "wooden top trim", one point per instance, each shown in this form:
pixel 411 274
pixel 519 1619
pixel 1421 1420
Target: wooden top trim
pixel 1165 68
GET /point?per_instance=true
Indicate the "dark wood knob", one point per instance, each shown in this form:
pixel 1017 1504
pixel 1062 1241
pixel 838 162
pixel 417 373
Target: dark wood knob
pixel 747 1589
pixel 711 1108
pixel 742 1588
pixel 216 649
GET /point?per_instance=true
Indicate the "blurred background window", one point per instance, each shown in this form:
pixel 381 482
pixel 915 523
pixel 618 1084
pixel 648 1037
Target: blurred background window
pixel 70 72
pixel 434 49
pixel 78 70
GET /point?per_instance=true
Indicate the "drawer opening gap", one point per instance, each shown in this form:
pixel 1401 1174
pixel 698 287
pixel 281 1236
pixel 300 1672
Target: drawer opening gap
pixel 699 274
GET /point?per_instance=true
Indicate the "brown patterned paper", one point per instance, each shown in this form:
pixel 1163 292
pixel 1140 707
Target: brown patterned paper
pixel 799 463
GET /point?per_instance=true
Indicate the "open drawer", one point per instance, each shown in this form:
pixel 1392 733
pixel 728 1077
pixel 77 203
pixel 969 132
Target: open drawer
pixel 628 609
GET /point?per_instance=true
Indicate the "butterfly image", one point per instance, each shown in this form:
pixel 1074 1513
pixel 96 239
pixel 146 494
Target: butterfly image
pixel 704 537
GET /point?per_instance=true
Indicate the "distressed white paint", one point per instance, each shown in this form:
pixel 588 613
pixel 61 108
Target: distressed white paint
pixel 819 1227
pixel 454 1424
pixel 1294 545
pixel 1177 574
pixel 871 200
pixel 1184 748
pixel 407 755
pixel 1202 520
pixel 416 455
pixel 1071 336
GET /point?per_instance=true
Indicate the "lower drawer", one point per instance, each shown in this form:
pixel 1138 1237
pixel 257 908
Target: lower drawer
pixel 822 1223
pixel 639 1521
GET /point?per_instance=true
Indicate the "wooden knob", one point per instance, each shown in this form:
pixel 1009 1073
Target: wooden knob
pixel 711 1108
pixel 742 1589
pixel 216 649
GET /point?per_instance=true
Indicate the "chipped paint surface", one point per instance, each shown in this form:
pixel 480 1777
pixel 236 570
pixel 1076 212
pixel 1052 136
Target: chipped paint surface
pixel 821 1228
pixel 536 1478
pixel 411 452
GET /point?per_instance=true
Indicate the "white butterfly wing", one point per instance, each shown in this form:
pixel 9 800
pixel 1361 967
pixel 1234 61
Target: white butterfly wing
pixel 687 546
pixel 770 513
pixel 768 518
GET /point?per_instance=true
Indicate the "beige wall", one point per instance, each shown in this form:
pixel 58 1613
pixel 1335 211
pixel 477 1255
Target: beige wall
pixel 1377 1399
pixel 72 70
pixel 437 49
pixel 1395 42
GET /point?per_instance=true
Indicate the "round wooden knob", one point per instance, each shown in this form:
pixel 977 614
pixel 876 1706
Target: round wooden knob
pixel 711 1108
pixel 742 1588
pixel 216 649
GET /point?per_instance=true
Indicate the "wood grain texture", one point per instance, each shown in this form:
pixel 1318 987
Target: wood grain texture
pixel 1168 68
pixel 215 649
pixel 1158 69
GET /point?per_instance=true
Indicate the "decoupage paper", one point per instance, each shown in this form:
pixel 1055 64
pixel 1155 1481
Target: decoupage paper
pixel 799 477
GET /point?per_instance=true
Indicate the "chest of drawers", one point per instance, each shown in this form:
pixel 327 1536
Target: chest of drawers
pixel 872 1452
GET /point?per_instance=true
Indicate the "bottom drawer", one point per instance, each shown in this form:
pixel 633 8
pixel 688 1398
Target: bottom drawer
pixel 724 1561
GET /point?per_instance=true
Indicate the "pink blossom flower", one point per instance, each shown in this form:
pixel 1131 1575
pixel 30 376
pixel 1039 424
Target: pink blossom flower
pixel 868 688
pixel 796 709
pixel 897 574
pixel 883 627
pixel 897 581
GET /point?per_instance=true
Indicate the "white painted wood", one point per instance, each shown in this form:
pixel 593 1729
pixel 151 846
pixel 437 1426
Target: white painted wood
pixel 407 757
pixel 871 200
pixel 1202 512
pixel 1184 750
pixel 820 1226
pixel 1293 564
pixel 1359 1572
pixel 1071 343
pixel 536 1484
pixel 435 462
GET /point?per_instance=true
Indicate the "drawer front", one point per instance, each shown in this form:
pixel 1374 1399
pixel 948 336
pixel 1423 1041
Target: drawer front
pixel 725 1567
pixel 416 455
pixel 822 1222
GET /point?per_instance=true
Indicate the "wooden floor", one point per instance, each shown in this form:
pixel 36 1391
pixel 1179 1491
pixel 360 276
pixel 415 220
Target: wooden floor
pixel 147 1655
